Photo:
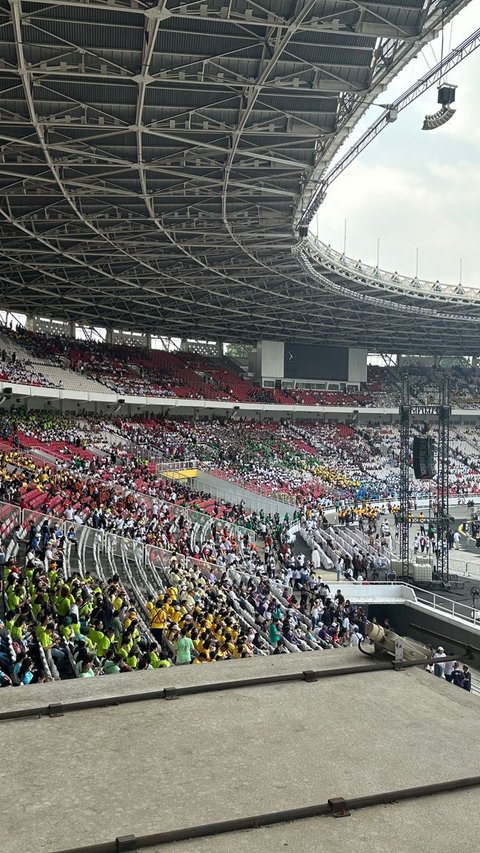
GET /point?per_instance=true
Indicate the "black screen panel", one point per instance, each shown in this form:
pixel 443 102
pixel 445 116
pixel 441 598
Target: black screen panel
pixel 308 361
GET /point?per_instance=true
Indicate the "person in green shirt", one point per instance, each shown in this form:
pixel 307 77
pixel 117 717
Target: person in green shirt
pixel 66 630
pixel 132 659
pixel 86 670
pixel 185 649
pixel 16 595
pixel 157 657
pixel 111 664
pixel 44 634
pixel 116 625
pixel 19 628
pixel 98 638
pixel 163 661
pixel 64 601
pixel 274 634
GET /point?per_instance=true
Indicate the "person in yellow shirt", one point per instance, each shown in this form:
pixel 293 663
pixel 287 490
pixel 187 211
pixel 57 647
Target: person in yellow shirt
pixel 150 605
pixel 130 617
pixel 158 620
pixel 118 602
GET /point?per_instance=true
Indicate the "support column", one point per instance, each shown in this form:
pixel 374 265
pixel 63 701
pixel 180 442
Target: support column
pixel 109 335
pixel 71 329
pixel 29 323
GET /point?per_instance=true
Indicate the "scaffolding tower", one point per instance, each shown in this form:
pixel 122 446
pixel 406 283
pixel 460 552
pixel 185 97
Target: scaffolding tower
pixel 441 515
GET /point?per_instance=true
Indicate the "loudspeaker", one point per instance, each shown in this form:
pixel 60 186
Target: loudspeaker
pixel 423 457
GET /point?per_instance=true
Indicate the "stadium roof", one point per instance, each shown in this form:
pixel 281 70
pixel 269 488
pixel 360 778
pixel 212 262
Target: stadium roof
pixel 157 158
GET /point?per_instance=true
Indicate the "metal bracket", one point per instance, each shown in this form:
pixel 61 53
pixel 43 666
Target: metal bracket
pixel 309 675
pixel 125 843
pixel 338 807
pixel 55 710
pixel 170 693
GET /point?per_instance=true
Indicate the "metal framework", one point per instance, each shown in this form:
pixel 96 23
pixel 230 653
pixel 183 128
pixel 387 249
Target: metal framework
pixel 434 75
pixel 404 486
pixel 441 511
pixel 155 158
pixel 442 516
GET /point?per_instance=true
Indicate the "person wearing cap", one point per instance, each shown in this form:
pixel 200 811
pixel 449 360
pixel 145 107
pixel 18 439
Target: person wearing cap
pixel 457 675
pixel 439 668
pixel 66 629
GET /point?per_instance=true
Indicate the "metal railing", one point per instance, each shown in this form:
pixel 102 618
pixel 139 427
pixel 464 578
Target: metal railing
pixel 186 465
pixel 195 516
pixel 147 555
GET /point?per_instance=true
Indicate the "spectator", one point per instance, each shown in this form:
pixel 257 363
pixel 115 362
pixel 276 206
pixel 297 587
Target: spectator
pixel 467 678
pixel 457 675
pixel 185 650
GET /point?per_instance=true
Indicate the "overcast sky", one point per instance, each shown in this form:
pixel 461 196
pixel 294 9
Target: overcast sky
pixel 412 188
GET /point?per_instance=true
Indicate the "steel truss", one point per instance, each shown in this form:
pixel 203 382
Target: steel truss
pixel 153 156
pixel 434 75
pixel 404 513
pixel 441 516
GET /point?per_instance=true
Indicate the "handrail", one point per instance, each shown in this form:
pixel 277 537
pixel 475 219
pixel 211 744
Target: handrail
pixel 336 806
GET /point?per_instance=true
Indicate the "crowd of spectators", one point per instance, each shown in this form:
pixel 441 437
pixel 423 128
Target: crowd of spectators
pixel 20 372
pixel 132 369
pixel 299 462
pixel 62 623
pixel 224 595
pixel 69 623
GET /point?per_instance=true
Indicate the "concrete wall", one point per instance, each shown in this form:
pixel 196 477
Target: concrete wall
pixel 429 628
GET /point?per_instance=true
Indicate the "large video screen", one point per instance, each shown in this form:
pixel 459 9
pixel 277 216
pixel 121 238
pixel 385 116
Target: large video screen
pixel 308 361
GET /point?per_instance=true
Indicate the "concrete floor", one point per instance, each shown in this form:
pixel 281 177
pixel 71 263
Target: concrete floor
pixel 439 824
pixel 91 776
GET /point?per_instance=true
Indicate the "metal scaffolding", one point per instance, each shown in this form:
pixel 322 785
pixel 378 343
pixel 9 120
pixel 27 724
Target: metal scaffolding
pixel 442 509
pixel 403 521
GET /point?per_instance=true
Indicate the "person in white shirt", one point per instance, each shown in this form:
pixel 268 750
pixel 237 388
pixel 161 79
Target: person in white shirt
pixel 439 668
pixel 355 637
pixel 456 540
pixel 448 669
